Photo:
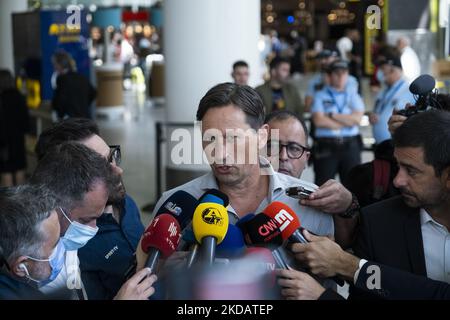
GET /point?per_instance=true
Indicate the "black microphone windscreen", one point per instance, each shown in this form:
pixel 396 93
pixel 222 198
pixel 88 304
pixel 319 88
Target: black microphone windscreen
pixel 181 205
pixel 263 231
pixel 422 84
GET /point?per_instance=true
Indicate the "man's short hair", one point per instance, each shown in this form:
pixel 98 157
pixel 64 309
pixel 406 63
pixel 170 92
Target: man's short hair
pixel 242 97
pixel 443 101
pixel 72 129
pixel 70 170
pixel 281 115
pixel 22 211
pixel 277 61
pixel 240 63
pixel 429 130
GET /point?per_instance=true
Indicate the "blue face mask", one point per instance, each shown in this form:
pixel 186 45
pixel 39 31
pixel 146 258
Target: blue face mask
pixel 56 262
pixel 77 235
pixel 380 76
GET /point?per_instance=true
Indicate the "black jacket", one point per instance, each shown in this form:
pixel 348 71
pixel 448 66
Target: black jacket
pixel 73 95
pixel 390 233
pixel 396 284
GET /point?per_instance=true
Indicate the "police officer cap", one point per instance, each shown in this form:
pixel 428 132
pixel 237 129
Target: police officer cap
pixel 326 54
pixel 391 59
pixel 338 65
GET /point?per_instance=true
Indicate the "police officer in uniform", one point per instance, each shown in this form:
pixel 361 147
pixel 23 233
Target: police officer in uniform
pixel 394 96
pixel 336 113
pixel 318 80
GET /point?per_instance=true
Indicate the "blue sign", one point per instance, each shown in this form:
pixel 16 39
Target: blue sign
pixel 58 33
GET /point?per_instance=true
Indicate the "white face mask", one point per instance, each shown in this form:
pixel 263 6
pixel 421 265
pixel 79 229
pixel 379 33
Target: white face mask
pixel 77 235
pixel 380 76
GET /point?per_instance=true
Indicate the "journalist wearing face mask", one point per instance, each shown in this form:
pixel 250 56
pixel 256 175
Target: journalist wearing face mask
pixel 83 196
pixel 31 251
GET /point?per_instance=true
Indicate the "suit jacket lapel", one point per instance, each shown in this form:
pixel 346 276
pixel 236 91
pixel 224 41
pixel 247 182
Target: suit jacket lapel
pixel 413 233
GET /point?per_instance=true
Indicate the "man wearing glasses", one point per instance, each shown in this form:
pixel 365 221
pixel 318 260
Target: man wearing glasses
pixel 106 259
pixel 331 197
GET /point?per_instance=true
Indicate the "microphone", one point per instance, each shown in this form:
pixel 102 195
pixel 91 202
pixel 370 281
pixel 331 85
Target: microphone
pixel 422 84
pixel 289 224
pixel 287 220
pixel 210 223
pixel 261 231
pixel 160 239
pixel 181 206
pixel 265 261
pixel 216 196
pixel 189 238
pixel 233 245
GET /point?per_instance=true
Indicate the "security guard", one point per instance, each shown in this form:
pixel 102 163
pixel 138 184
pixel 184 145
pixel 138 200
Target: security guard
pixel 337 111
pixel 318 80
pixel 394 96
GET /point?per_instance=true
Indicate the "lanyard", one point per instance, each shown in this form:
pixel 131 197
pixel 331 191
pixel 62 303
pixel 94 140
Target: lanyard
pixel 387 97
pixel 340 108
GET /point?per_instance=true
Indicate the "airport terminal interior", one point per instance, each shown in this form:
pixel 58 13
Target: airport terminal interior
pixel 144 66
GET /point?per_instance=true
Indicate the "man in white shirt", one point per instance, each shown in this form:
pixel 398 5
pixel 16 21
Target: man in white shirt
pixel 410 60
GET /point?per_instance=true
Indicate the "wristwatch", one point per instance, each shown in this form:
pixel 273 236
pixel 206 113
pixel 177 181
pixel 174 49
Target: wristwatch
pixel 353 210
pixel 330 115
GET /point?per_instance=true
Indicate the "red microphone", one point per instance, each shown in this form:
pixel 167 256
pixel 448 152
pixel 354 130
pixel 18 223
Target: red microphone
pixel 289 224
pixel 161 239
pixel 287 221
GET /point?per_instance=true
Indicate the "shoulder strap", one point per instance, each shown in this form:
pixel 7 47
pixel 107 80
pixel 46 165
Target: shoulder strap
pixel 381 175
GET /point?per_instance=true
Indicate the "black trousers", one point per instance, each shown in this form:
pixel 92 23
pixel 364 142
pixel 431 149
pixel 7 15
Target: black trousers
pixel 335 155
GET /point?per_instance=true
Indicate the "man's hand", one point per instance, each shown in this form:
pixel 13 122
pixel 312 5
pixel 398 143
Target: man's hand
pixel 395 121
pixel 138 287
pixel 297 285
pixel 331 197
pixel 373 118
pixel 321 255
pixel 325 257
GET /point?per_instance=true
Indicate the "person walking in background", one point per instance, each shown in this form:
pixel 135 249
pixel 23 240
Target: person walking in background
pixel 73 92
pixel 14 123
pixel 409 59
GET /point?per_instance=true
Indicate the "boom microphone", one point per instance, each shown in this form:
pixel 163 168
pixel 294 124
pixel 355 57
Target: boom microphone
pixel 161 239
pixel 422 84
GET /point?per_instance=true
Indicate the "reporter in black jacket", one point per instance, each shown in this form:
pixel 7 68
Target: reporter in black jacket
pixel 325 258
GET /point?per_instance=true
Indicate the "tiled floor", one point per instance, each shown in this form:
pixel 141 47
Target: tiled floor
pixel 135 132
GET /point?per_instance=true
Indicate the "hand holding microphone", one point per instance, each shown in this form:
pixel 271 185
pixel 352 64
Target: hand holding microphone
pixel 180 205
pixel 322 255
pixel 289 223
pixel 161 239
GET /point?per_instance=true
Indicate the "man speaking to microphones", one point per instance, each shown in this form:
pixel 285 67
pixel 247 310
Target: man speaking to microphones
pixel 234 139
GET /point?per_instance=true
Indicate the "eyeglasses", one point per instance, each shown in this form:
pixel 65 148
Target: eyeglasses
pixel 115 156
pixel 293 149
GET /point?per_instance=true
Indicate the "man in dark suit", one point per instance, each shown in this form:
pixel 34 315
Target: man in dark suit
pixel 409 232
pixel 73 93
pixel 371 278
